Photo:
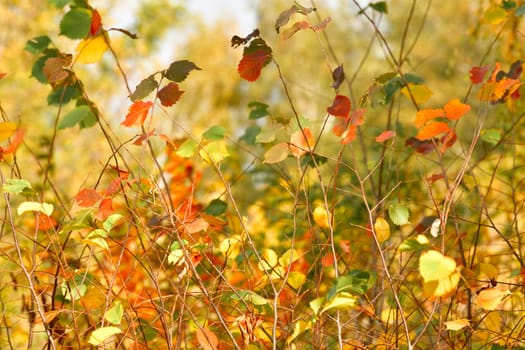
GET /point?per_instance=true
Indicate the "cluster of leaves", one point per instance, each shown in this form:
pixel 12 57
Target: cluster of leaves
pixel 142 262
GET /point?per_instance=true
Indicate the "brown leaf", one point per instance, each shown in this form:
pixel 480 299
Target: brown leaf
pixel 338 76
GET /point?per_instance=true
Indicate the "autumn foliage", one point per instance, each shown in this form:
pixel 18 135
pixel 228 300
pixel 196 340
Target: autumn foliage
pixel 363 211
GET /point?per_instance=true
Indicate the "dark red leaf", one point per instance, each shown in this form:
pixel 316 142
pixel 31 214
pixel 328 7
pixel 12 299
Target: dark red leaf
pixel 169 94
pixel 340 107
pixel 447 141
pixel 87 197
pixel 435 177
pixel 419 146
pixel 477 74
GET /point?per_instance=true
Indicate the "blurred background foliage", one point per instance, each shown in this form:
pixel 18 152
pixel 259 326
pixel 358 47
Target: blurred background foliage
pixel 439 41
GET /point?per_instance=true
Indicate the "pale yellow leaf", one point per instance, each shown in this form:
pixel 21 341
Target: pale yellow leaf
pixel 456 325
pixel 45 208
pixel 6 130
pixel 100 335
pixel 489 299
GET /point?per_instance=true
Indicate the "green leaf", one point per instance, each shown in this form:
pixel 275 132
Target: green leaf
pixel 45 208
pixel 216 207
pixel 59 3
pixel 111 221
pixel 97 238
pixel 379 6
pixel 215 133
pixel 63 94
pixel 38 44
pixel 399 214
pixel 15 186
pixel 356 281
pixel 258 110
pixel 114 315
pixel 508 4
pixel 385 77
pixel 187 148
pixel 76 23
pixel 277 153
pixel 253 298
pixel 100 335
pixel 250 135
pixel 144 88
pixel 520 11
pixel 492 136
pixel 82 219
pixel 76 116
pixel 413 244
pixel 179 70
pixel 313 160
pixel 317 304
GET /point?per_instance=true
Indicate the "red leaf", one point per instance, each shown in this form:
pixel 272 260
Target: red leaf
pixel 169 94
pixel 385 135
pixel 424 115
pixel 340 107
pixel 435 177
pixel 143 137
pixel 328 260
pixel 431 130
pixel 455 109
pixel 87 197
pixel 137 113
pixel 477 74
pixel 113 187
pixel 96 23
pixel 254 58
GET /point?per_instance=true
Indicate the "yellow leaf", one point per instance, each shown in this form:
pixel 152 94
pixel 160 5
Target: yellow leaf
pixel 435 266
pixel 269 260
pixel 382 229
pixel 90 50
pixel 341 300
pixel 489 299
pixel 288 257
pixel 214 152
pixel 296 279
pixel 100 335
pixel 420 93
pixel 489 270
pixel 441 287
pixel 456 325
pixel 6 130
pixel 321 217
pixel 299 328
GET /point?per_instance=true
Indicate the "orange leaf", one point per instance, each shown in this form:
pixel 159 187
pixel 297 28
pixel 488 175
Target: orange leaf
pixel 15 141
pixel 207 339
pixel 169 94
pixel 340 107
pixel 254 58
pixel 45 222
pixel 431 130
pixel 105 209
pixel 320 26
pixel 2 75
pixel 385 135
pixel 357 116
pixel 477 74
pixel 455 109
pixel 301 142
pixel 137 113
pixel 287 34
pixel 424 115
pixel 87 197
pixel 96 23
pixel 340 126
pixel 349 135
pixel 504 88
